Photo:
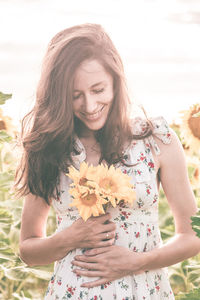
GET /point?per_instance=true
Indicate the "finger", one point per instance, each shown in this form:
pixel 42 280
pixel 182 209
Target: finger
pixel 107 235
pixel 109 227
pixel 103 218
pixel 87 259
pixel 86 265
pixel 106 243
pixel 95 283
pixel 88 273
pixel 96 251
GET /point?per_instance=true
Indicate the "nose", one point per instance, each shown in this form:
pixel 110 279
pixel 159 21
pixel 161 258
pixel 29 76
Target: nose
pixel 90 104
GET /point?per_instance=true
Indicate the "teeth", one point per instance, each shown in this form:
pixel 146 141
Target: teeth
pixel 94 116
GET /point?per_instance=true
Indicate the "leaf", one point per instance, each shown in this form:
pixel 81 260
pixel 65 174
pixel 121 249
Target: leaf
pixel 196 223
pixel 18 297
pixel 43 274
pixel 4 97
pixel 6 180
pixel 192 295
pixel 4 137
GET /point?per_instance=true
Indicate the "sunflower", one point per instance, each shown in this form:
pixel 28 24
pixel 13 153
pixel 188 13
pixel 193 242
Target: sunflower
pixel 190 127
pixel 114 185
pixel 93 188
pixel 81 179
pixel 88 204
pixel 6 124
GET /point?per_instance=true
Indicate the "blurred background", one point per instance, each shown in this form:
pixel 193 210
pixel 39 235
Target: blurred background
pixel 159 42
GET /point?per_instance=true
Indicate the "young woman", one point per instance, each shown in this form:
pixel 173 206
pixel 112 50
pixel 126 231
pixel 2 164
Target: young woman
pixel 81 114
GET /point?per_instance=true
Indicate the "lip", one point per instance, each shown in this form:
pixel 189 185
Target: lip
pixel 95 116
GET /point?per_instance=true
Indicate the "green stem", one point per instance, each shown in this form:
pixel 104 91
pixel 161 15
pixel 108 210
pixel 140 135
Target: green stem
pixel 2 291
pixel 21 285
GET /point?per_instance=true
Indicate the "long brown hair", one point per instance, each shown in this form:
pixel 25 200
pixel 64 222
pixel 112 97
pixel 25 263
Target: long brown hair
pixel 48 130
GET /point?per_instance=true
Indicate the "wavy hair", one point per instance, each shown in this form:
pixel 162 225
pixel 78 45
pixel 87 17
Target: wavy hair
pixel 48 130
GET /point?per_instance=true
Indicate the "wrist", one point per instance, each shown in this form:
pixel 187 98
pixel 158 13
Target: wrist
pixel 64 242
pixel 148 260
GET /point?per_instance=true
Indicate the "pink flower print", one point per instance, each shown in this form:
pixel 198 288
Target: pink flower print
pixel 105 285
pixel 125 172
pixel 139 172
pixel 151 164
pixel 149 231
pixel 95 297
pixel 148 188
pixel 155 198
pixel 59 220
pixel 124 215
pixel 168 134
pixel 59 282
pixel 137 235
pixel 53 279
pixel 142 157
pixel 157 287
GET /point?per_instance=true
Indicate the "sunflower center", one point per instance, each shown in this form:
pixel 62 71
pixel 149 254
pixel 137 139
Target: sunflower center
pixel 2 125
pixel 108 184
pixel 89 200
pixel 83 181
pixel 194 123
pixel 196 174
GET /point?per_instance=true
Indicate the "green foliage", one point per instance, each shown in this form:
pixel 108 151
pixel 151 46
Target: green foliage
pixel 4 97
pixel 196 223
pixel 192 295
pixel 17 280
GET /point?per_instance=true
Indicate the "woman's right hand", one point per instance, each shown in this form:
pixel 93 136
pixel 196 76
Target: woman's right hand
pixel 94 233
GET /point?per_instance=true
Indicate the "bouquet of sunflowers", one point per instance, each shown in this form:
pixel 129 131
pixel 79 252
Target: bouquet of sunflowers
pixel 95 188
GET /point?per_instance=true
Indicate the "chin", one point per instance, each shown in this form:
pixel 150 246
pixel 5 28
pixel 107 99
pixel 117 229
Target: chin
pixel 95 125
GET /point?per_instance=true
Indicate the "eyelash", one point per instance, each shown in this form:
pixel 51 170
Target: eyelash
pixel 95 91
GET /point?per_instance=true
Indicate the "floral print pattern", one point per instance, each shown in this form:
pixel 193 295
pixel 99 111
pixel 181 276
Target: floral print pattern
pixel 137 226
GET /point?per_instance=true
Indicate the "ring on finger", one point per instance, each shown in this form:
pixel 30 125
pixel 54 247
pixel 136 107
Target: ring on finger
pixel 107 235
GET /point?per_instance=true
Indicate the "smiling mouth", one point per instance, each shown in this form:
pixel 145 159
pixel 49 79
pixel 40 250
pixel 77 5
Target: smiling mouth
pixel 93 116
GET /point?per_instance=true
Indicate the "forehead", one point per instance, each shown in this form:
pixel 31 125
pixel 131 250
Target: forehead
pixel 89 73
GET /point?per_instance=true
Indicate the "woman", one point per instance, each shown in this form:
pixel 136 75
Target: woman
pixel 81 114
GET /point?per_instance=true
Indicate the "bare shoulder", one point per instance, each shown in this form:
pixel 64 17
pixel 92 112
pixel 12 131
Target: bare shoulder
pixel 171 153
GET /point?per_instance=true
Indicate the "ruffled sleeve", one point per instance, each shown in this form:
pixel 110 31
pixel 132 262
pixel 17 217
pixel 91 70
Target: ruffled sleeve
pixel 161 130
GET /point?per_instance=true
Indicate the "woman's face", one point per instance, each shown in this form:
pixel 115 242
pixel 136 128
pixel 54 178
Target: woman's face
pixel 92 95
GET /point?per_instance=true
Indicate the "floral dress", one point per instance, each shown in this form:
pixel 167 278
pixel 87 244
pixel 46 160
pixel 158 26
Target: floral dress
pixel 137 227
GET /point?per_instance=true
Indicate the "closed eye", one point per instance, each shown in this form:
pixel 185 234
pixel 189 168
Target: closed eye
pixel 98 91
pixel 76 96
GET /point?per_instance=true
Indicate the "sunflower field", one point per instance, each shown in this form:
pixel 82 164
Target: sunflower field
pixel 18 281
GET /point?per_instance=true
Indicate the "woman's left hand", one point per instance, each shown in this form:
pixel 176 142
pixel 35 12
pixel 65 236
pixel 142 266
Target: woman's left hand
pixel 108 263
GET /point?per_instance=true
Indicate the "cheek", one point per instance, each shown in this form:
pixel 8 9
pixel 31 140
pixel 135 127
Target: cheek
pixel 108 96
pixel 76 106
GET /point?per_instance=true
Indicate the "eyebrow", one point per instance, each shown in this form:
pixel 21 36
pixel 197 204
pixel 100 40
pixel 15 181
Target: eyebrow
pixel 94 85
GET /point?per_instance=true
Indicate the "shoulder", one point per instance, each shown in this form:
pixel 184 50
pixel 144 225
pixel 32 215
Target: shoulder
pixel 161 138
pixel 153 129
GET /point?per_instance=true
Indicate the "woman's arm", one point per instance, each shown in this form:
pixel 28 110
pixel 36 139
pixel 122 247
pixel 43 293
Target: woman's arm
pixel 176 185
pixel 37 249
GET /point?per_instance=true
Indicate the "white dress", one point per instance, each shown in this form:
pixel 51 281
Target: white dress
pixel 137 228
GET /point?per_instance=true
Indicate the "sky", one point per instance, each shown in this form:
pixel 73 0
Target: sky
pixel 159 42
